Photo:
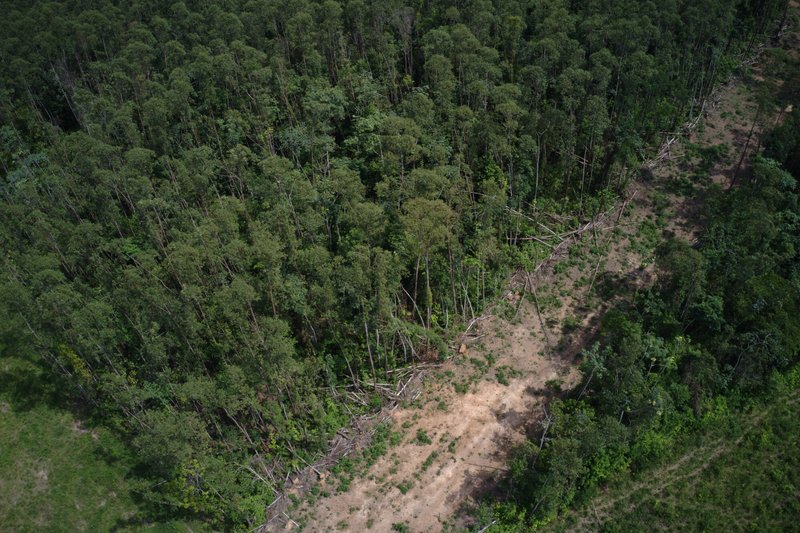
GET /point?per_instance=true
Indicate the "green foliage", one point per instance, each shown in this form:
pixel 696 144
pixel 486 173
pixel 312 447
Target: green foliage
pixel 59 472
pixel 738 471
pixel 405 486
pixel 501 377
pixel 718 331
pixel 379 444
pixel 422 438
pixel 429 460
pixel 213 216
pixel 461 387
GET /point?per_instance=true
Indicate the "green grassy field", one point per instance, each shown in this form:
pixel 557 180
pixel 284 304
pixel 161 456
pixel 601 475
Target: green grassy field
pixel 742 474
pixel 56 474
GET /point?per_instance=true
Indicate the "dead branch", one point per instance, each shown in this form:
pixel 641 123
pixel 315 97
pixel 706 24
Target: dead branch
pixel 487 527
pixel 475 321
pixel 539 313
pixel 547 420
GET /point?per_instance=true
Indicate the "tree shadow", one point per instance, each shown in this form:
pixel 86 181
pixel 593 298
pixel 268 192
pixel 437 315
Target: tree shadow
pixel 27 383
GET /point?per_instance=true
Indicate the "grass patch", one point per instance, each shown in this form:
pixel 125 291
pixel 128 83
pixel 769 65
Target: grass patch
pixel 502 379
pixel 453 444
pixel 429 461
pixel 570 324
pixel 743 471
pixel 57 474
pixel 405 486
pixel 461 388
pixel 422 438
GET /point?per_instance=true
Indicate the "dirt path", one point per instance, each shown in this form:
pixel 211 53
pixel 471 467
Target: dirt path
pixel 456 436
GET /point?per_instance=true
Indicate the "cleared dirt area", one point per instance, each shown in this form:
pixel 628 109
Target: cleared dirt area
pixel 470 432
pixel 454 438
pixel 458 434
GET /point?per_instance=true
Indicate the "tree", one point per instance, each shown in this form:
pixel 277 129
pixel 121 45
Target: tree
pixel 427 225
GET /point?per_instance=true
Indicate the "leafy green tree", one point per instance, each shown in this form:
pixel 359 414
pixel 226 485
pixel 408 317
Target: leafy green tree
pixel 427 226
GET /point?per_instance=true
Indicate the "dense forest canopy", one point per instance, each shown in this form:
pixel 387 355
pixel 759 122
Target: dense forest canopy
pixel 218 216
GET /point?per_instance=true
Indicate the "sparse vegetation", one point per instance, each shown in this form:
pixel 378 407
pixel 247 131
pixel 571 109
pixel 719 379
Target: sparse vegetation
pixel 422 438
pixel 461 387
pixel 405 486
pixel 554 385
pixel 452 446
pixel 429 460
pixel 501 377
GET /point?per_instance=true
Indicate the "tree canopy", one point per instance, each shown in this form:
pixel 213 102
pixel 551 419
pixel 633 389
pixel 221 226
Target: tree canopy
pixel 217 217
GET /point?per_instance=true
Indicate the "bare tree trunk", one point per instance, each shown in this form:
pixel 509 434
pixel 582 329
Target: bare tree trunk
pixel 746 146
pixel 428 293
pixel 369 352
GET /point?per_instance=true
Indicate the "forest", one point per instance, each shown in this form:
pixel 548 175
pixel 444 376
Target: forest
pixel 223 223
